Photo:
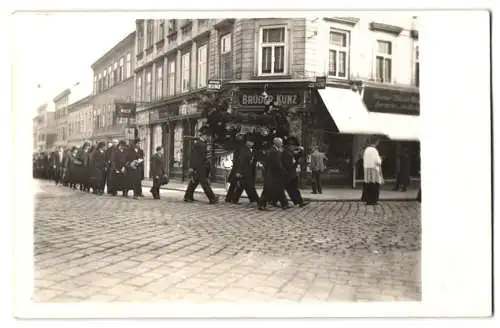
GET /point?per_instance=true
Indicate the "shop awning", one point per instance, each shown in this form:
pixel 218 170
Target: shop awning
pixel 351 116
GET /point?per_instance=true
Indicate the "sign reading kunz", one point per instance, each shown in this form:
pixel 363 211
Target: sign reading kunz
pixel 392 101
pixel 257 99
pixel 125 109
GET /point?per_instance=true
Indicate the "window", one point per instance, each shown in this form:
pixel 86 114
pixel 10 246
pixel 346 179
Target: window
pixel 140 36
pixel 417 66
pixel 202 22
pixel 338 54
pixel 161 30
pixel 120 70
pixel 272 50
pixel 115 73
pixel 138 93
pixel 110 76
pixel 99 82
pixel 95 84
pixel 202 66
pixel 148 86
pixel 383 65
pixel 226 58
pixel 105 78
pixel 172 26
pixel 171 78
pixel 185 72
pixel 149 34
pixel 159 81
pixel 129 66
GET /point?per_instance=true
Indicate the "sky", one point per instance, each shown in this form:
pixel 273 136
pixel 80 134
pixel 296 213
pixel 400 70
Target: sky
pixel 55 51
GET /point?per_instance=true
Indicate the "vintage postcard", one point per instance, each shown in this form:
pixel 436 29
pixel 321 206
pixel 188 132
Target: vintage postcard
pixel 224 161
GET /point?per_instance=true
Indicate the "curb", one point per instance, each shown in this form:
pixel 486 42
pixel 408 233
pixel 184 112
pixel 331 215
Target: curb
pixel 305 198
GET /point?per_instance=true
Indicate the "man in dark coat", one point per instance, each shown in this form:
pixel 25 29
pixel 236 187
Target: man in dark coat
pixel 402 171
pixel 134 174
pixel 245 173
pixel 98 169
pixel 157 172
pixel 273 178
pixel 66 166
pixel 110 184
pixel 199 169
pixel 290 158
pixel 118 169
pixel 57 164
pixel 233 180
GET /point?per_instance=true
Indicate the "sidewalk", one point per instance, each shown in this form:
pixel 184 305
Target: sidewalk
pixel 329 194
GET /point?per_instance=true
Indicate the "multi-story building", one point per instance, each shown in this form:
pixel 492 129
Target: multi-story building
pixel 44 128
pixel 113 83
pixel 376 55
pixel 63 102
pixel 80 122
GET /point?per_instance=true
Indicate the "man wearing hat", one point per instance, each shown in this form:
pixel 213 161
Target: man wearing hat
pixel 273 178
pixel 245 172
pixel 135 168
pixel 110 184
pixel 199 169
pixel 290 158
pixel 98 169
pixel 118 169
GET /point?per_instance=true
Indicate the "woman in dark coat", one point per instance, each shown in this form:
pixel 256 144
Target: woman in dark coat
pixel 97 169
pixel 74 165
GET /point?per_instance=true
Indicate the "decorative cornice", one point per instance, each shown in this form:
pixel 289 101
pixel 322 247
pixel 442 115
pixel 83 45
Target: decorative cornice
pixel 392 29
pixel 224 22
pixel 343 20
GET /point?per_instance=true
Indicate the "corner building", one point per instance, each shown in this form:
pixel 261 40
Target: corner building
pixel 283 56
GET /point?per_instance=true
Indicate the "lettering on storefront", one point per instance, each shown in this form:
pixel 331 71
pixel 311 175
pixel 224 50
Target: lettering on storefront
pixel 186 109
pixel 392 101
pixel 257 99
pixel 125 109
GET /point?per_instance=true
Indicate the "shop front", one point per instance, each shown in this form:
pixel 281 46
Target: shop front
pixel 356 113
pixel 143 133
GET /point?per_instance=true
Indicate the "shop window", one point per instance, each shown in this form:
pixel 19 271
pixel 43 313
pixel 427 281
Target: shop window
pixel 338 54
pixel 383 61
pixel 178 143
pixel 272 51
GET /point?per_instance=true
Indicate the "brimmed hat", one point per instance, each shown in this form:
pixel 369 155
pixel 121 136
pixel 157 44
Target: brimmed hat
pixel 122 143
pixel 291 141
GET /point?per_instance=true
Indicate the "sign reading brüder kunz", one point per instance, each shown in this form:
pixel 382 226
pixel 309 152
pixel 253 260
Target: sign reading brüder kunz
pixel 123 109
pixel 257 99
pixel 392 101
pixel 214 85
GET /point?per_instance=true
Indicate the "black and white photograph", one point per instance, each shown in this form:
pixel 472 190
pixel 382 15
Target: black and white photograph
pixel 202 160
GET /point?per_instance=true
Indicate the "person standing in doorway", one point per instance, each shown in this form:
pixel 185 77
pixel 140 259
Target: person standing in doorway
pixel 372 165
pixel 403 171
pixel 317 167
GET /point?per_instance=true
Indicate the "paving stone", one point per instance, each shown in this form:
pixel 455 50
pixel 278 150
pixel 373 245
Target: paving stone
pixel 84 242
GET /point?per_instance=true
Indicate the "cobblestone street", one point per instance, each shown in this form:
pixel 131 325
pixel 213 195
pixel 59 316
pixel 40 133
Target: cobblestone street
pixel 91 248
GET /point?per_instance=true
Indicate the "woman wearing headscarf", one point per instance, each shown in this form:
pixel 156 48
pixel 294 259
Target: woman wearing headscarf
pixel 372 165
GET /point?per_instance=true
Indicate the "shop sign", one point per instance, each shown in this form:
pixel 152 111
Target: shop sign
pixel 167 112
pixel 186 109
pixel 392 101
pixel 153 116
pixel 256 98
pixel 142 118
pixel 123 109
pixel 214 85
pixel 320 82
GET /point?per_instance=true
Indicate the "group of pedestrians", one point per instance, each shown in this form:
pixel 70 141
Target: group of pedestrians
pixel 280 173
pixel 115 167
